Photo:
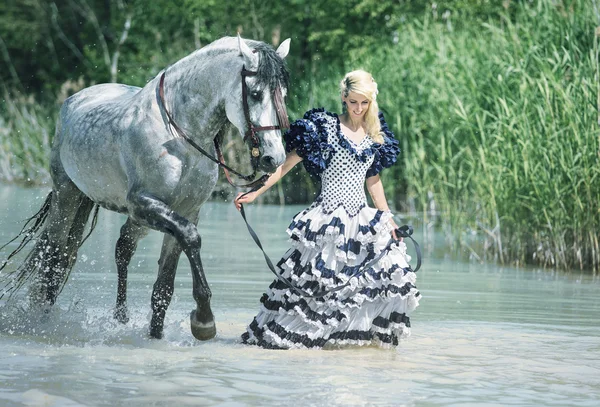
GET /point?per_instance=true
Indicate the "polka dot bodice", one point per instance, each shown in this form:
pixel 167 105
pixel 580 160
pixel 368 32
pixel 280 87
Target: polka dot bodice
pixel 343 181
pixel 342 164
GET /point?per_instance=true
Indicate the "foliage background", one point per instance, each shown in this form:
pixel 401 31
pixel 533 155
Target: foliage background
pixel 495 102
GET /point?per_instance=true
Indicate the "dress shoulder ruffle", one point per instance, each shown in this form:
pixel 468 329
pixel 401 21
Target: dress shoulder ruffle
pixel 308 136
pixel 385 154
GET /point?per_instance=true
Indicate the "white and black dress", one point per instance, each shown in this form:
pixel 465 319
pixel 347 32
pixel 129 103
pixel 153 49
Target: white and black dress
pixel 330 241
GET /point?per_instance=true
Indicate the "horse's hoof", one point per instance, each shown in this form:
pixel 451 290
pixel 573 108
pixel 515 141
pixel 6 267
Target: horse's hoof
pixel 45 318
pixel 156 332
pixel 121 314
pixel 202 331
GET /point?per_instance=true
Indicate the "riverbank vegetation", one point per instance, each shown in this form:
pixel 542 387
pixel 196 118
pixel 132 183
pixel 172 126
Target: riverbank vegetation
pixel 494 103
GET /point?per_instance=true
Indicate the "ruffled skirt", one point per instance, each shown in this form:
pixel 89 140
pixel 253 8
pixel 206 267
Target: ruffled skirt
pixel 327 250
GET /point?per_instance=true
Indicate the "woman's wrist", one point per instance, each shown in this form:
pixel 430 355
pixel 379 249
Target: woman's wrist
pixel 392 223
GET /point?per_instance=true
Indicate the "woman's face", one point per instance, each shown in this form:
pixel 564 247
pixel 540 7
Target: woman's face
pixel 356 104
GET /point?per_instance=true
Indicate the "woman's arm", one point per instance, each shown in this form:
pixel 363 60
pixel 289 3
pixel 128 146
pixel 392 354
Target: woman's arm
pixel 290 162
pixel 375 188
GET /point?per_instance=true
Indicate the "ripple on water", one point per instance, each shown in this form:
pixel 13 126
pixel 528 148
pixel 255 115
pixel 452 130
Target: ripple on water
pixel 484 335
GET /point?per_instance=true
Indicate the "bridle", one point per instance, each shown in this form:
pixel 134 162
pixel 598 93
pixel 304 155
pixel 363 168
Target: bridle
pixel 282 119
pixel 281 112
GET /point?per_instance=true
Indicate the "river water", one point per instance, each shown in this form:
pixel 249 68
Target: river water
pixel 483 335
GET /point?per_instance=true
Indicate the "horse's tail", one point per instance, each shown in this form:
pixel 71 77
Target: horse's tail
pixel 12 281
pixel 44 258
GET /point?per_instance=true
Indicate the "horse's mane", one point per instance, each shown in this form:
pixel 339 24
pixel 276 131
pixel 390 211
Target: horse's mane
pixel 272 70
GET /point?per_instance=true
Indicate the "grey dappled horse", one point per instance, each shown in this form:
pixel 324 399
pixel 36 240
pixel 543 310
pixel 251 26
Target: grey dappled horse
pixel 115 148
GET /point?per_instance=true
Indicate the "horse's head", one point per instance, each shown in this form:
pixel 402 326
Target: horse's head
pixel 256 103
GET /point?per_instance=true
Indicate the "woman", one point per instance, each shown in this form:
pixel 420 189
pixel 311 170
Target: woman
pixel 338 233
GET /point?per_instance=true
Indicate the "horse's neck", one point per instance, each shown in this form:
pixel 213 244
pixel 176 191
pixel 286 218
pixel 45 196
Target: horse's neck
pixel 194 94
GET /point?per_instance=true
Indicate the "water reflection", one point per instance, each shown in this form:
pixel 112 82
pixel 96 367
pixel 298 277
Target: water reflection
pixel 484 335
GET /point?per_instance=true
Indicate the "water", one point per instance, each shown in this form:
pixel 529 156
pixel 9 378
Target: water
pixel 483 335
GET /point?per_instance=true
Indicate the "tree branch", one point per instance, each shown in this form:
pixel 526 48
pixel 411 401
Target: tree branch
pixel 115 58
pixel 63 37
pixel 86 11
pixel 9 64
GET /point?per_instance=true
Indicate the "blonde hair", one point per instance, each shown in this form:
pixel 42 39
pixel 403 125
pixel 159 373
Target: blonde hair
pixel 362 82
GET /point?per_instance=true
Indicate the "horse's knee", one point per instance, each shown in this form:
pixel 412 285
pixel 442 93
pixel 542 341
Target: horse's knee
pixel 192 237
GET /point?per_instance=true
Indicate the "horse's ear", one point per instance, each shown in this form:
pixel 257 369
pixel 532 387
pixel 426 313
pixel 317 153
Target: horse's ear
pixel 284 48
pixel 250 58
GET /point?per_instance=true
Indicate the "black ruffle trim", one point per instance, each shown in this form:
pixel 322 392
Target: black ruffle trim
pixel 298 269
pixel 312 287
pixel 378 275
pixel 370 228
pixel 281 286
pixel 258 333
pixel 315 286
pixel 296 338
pixel 386 291
pixel 395 318
pixel 304 307
pixel 350 246
pixel 312 235
pixel 308 137
pixel 385 154
pixel 353 246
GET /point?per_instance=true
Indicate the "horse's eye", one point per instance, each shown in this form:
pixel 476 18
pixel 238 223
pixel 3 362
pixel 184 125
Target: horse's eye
pixel 256 95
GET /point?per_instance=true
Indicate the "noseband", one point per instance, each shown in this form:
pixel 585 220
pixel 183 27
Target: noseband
pixel 277 98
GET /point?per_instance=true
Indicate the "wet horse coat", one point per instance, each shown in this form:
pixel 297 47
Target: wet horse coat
pixel 114 148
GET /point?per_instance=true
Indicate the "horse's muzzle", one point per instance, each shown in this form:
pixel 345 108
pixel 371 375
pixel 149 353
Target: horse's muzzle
pixel 268 164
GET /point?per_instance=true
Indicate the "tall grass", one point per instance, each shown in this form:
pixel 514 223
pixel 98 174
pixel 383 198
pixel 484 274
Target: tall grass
pixel 498 123
pixel 25 134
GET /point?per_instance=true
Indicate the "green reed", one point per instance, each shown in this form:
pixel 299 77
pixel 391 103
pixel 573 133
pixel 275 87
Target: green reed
pixel 25 137
pixel 498 122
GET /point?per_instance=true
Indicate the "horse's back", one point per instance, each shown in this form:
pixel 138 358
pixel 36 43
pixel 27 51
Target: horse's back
pixel 86 146
pixel 97 95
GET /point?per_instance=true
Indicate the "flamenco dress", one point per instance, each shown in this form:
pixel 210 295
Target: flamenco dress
pixel 331 239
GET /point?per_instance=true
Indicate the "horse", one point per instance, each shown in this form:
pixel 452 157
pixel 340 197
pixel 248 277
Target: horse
pixel 149 153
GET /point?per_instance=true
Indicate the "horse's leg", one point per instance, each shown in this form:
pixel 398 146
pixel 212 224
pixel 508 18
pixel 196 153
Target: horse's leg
pixel 163 288
pixel 131 233
pixel 160 216
pixel 55 252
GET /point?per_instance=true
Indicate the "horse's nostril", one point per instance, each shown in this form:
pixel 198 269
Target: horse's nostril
pixel 268 161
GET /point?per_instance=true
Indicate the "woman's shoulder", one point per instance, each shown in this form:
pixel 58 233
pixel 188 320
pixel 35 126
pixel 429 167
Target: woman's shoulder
pixel 388 135
pixel 309 135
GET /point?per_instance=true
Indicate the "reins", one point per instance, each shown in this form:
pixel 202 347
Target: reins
pixel 250 133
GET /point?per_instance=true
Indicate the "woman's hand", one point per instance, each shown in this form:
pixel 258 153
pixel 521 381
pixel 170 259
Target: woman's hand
pixel 243 198
pixel 395 226
pixel 375 188
pixel 291 160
